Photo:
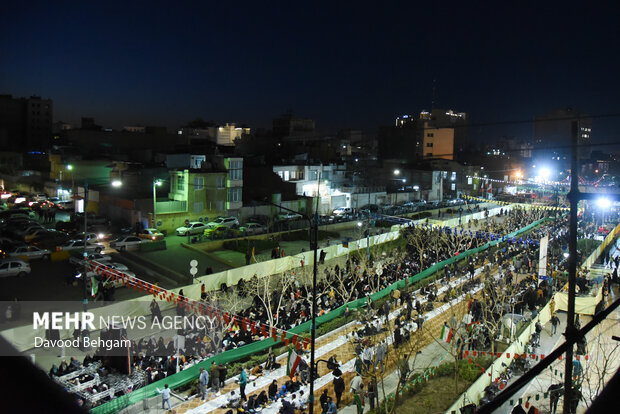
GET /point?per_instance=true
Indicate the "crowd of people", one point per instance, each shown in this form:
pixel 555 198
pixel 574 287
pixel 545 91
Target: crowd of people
pixel 358 278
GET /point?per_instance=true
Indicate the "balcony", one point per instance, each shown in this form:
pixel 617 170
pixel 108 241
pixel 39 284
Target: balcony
pixel 171 206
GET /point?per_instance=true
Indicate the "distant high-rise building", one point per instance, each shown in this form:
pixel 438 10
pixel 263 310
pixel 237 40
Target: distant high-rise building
pixel 439 133
pixel 444 133
pixel 25 123
pixel 553 134
pixel 404 120
pixel 289 125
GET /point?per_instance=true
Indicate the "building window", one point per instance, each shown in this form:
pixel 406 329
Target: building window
pixel 220 182
pixel 181 182
pixel 236 170
pixel 286 176
pixel 429 154
pixel 429 144
pixel 234 194
pixel 430 134
pixel 199 183
pixel 312 175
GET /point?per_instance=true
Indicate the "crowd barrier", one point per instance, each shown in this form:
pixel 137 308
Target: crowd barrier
pixel 191 373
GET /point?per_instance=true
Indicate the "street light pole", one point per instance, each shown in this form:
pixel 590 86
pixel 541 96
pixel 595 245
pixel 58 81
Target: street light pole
pixel 156 183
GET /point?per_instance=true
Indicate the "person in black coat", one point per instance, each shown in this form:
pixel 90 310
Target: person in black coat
pixel 338 388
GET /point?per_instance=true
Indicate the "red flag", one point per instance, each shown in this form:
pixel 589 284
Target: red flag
pixel 274 334
pixel 286 341
pixel 253 327
pixel 587 357
pixel 465 354
pixel 263 330
pixel 283 336
pixel 474 353
pixel 294 339
pixel 226 318
pixel 244 324
pixel 306 343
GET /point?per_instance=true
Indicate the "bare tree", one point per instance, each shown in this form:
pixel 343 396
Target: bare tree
pixel 271 291
pixel 604 361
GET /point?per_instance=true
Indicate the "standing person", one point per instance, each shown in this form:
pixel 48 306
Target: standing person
pixel 338 387
pixel 555 321
pixel 203 380
pixel 215 378
pixel 323 399
pixel 165 397
pixel 243 381
pixel 372 393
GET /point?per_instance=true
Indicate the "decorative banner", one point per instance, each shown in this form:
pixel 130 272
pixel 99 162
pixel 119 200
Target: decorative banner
pixel 513 355
pixel 542 260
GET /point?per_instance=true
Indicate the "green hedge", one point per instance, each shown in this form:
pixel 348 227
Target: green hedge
pixel 152 246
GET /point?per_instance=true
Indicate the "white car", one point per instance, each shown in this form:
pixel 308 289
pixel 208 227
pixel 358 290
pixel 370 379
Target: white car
pixel 117 266
pixel 14 267
pixel 90 236
pixel 97 257
pixel 29 252
pixel 125 242
pixel 194 227
pixel 342 210
pixel 289 216
pixel 225 221
pixel 253 228
pixel 79 245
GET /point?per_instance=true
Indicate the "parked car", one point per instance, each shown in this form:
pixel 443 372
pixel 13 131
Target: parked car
pixel 29 253
pixel 194 227
pixel 78 245
pixel 215 231
pixel 252 228
pixel 97 257
pixel 65 205
pixel 14 267
pixel 125 242
pixel 151 234
pixel 289 216
pixel 117 266
pixel 229 222
pixel 91 218
pixel 39 197
pixel 342 210
pixel 49 239
pixel 67 226
pixel 90 236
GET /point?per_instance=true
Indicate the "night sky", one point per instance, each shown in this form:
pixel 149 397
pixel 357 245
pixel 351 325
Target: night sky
pixel 357 65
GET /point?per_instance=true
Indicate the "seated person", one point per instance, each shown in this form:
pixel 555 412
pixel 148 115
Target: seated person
pixel 257 371
pixel 262 399
pixel 273 390
pixel 233 400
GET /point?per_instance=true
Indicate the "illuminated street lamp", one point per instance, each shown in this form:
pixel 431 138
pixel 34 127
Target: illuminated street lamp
pixel 396 172
pixel 117 183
